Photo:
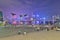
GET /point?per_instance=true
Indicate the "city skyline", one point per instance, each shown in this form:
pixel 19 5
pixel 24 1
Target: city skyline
pixel 44 8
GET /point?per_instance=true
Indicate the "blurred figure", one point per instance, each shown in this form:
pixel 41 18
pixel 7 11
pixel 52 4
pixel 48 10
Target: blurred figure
pixel 19 32
pixel 5 23
pixel 14 23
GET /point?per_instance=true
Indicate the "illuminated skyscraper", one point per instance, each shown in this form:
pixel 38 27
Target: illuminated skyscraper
pixel 1 16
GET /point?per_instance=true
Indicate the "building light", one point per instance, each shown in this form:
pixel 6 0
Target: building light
pixel 14 16
pixel 37 22
pixel 37 15
pixel 31 18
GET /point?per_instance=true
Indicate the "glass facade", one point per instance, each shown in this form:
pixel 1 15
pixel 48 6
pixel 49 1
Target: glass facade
pixel 1 16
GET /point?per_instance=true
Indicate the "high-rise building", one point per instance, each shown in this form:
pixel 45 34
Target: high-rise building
pixel 1 16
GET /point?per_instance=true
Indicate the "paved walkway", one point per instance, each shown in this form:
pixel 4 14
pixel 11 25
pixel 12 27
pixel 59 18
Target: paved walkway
pixel 43 35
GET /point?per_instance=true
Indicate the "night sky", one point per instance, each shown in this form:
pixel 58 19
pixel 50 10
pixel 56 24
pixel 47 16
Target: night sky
pixel 42 7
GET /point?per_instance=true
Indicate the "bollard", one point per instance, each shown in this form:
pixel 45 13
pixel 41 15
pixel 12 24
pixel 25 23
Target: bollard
pixel 24 33
pixel 19 32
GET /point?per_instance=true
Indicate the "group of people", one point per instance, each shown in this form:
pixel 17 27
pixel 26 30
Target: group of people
pixel 38 28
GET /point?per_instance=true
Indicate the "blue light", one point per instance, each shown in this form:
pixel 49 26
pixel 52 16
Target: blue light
pixel 18 19
pixel 37 15
pixel 37 22
pixel 21 18
pixel 44 18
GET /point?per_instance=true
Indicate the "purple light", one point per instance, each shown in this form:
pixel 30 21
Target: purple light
pixel 14 22
pixel 14 16
pixel 31 18
pixel 21 22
